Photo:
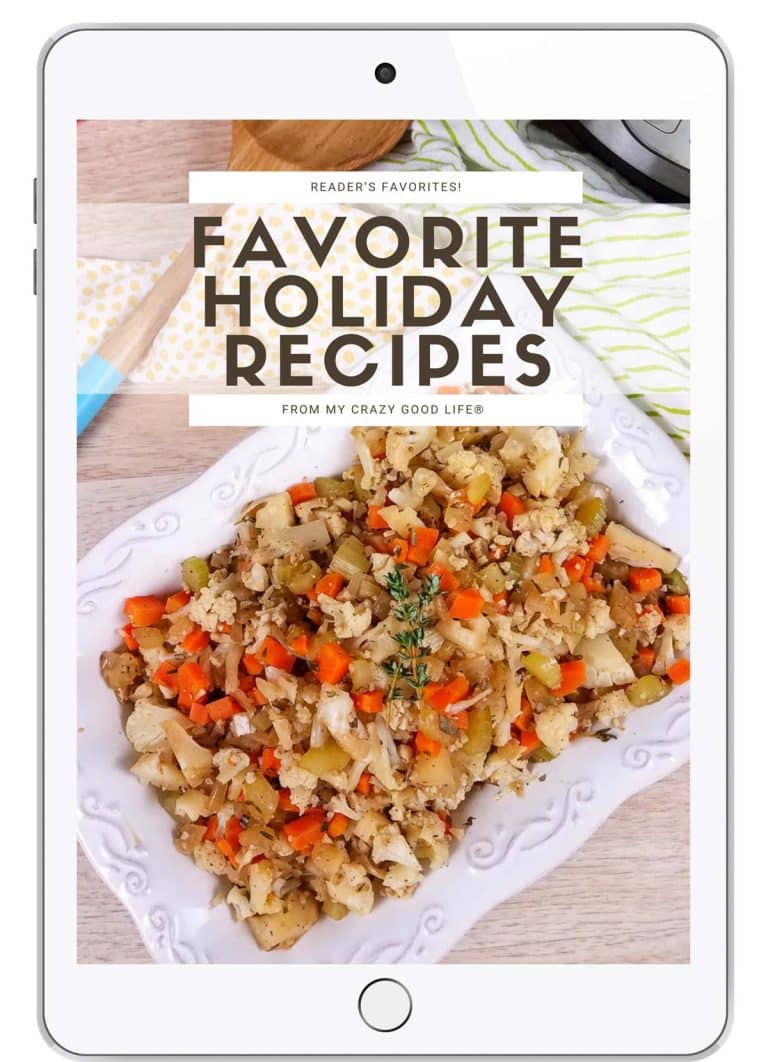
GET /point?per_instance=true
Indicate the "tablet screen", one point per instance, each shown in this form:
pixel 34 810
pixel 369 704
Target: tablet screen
pixel 384 590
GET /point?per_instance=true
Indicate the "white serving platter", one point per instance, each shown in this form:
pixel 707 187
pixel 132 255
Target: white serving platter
pixel 512 841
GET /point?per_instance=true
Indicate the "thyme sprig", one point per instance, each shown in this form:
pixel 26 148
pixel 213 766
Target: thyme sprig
pixel 414 611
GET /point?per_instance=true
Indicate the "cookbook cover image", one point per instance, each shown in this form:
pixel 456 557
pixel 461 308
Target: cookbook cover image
pixel 383 595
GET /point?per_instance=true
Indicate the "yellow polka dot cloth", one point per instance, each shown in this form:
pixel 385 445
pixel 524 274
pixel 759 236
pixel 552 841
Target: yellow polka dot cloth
pixel 186 350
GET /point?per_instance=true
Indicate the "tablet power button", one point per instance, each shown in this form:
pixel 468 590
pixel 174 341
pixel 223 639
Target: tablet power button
pixel 385 1005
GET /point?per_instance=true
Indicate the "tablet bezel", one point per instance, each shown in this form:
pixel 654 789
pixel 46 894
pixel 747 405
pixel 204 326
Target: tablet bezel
pixel 474 71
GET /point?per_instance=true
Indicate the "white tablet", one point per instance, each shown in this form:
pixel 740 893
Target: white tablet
pixel 386 621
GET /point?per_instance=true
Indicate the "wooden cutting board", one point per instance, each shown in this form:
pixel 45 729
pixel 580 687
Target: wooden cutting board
pixel 311 145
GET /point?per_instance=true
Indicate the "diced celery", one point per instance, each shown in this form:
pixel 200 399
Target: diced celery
pixel 592 514
pixel 324 759
pixel 545 668
pixel 194 573
pixel 332 487
pixel 647 690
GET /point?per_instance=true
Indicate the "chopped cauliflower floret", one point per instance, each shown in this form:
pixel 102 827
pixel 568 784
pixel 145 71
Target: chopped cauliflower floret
pixel 301 783
pixel 352 887
pixel 260 880
pixel 680 626
pixel 350 620
pixel 256 577
pixel 598 618
pixel 389 846
pixel 545 454
pixel 403 444
pixel 238 901
pixel 612 708
pixel 555 725
pixel 152 769
pixel 208 857
pixel 230 762
pixel 464 465
pixel 400 881
pixel 144 726
pixel 212 607
pixel 505 766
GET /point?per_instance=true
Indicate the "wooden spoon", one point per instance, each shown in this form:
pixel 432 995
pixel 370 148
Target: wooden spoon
pixel 256 145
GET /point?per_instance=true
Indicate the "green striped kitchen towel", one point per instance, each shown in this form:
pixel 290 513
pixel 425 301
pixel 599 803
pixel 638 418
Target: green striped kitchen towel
pixel 630 302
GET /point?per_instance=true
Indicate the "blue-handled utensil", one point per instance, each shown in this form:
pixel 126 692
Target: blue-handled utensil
pixel 124 347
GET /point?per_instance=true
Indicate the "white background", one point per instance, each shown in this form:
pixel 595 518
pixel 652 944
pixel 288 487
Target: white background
pixel 744 36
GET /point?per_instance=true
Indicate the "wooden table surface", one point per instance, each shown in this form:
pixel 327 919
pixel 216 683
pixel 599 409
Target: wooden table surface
pixel 624 897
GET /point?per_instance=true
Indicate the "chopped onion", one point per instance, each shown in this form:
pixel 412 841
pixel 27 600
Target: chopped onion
pixel 459 706
pixel 388 741
pixel 231 665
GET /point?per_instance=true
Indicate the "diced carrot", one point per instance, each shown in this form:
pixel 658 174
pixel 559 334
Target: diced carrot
pixel 370 701
pixel 300 645
pixel 128 640
pixel 270 762
pixel 573 674
pixel 257 696
pixel 223 708
pixel 232 830
pixel 376 521
pixel 273 653
pixel 593 584
pixel 284 800
pixel 363 786
pixel 679 604
pixel 423 541
pixel 198 713
pixel 247 682
pixel 224 628
pixel 196 640
pixel 398 547
pixel 301 492
pixel 446 819
pixel 448 580
pixel 501 600
pixel 461 719
pixel 524 717
pixel 546 565
pixel 337 827
pixel 306 831
pixel 574 567
pixel 211 828
pixel 529 740
pixel 227 849
pixel 166 674
pixel 680 671
pixel 144 611
pixel 643 580
pixel 645 658
pixel 329 584
pixel 252 664
pixel 426 744
pixel 192 680
pixel 441 695
pixel 176 601
pixel 332 662
pixel 511 505
pixel 598 548
pixel 466 604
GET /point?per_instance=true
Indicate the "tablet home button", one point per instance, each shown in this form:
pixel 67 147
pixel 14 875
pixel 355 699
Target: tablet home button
pixel 385 1005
